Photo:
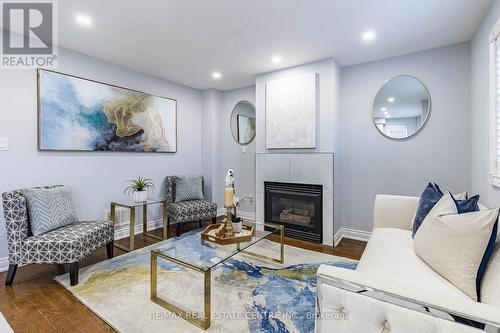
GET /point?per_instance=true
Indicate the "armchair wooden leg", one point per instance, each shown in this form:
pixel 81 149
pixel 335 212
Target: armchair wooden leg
pixel 73 273
pixel 109 250
pixel 10 274
pixel 178 229
pixel 199 223
pixel 214 220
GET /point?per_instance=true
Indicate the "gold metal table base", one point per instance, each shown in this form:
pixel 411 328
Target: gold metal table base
pixel 204 321
pixel 145 232
pixel 281 260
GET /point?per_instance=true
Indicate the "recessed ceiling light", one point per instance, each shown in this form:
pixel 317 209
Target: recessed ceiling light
pixel 216 75
pixel 386 113
pixel 391 99
pixel 83 19
pixel 276 59
pixel 383 109
pixel 369 35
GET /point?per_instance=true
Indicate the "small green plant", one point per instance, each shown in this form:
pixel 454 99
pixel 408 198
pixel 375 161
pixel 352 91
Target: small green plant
pixel 138 185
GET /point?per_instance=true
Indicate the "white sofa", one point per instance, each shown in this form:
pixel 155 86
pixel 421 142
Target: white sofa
pixel 393 290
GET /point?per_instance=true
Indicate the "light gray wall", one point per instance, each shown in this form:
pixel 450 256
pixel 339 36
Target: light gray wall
pixel 95 178
pixel 371 164
pixel 479 110
pixel 211 144
pixel 243 163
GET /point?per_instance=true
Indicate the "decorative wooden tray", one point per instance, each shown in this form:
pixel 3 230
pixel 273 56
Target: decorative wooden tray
pixel 245 235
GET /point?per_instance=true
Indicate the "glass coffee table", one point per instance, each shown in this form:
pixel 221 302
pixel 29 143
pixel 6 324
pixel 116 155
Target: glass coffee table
pixel 192 253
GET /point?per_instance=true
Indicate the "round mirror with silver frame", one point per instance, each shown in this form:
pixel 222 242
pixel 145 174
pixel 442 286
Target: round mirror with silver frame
pixel 243 122
pixel 401 107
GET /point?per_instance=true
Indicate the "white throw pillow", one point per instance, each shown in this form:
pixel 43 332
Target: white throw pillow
pixel 454 245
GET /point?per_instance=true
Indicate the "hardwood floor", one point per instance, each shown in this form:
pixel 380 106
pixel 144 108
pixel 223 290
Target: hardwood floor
pixel 36 303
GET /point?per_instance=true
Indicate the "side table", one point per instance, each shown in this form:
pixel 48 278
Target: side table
pixel 132 206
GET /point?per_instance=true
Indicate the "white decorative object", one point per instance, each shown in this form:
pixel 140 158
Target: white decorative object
pixel 237 226
pixel 291 112
pixel 229 178
pixel 140 196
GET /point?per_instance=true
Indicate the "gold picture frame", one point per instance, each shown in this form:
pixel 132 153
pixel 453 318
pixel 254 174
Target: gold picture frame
pixel 173 133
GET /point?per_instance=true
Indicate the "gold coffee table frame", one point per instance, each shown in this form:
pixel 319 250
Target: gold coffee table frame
pixel 204 322
pixel 131 207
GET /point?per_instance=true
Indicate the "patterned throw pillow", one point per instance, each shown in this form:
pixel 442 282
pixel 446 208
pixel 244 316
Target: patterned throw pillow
pixel 188 188
pixel 49 208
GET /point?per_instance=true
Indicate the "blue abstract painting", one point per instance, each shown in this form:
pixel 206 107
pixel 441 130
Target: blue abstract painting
pixel 83 115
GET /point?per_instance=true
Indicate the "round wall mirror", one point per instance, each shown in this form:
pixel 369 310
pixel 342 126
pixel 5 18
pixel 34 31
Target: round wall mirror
pixel 402 107
pixel 243 122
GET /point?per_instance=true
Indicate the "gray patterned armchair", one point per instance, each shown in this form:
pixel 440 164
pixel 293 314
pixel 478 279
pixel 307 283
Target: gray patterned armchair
pixel 66 245
pixel 187 211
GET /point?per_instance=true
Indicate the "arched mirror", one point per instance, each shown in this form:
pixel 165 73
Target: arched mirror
pixel 401 108
pixel 243 122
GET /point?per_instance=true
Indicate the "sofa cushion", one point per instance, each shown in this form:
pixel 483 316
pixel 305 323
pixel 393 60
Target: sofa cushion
pixel 390 253
pixel 454 245
pixel 194 210
pixel 49 208
pixel 188 188
pixel 67 244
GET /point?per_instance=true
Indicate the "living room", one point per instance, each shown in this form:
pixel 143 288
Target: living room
pixel 254 166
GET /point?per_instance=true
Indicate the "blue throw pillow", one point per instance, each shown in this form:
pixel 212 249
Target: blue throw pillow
pixel 430 196
pixel 467 205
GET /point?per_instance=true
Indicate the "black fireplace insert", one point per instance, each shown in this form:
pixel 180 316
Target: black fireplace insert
pixel 298 207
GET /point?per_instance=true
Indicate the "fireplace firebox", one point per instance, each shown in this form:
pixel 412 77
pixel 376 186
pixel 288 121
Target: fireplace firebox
pixel 298 207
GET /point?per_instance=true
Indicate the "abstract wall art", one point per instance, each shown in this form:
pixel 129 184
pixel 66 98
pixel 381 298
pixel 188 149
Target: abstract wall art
pixel 76 114
pixel 291 112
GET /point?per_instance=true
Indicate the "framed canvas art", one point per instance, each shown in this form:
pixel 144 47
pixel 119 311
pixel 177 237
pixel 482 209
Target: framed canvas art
pixel 77 114
pixel 291 112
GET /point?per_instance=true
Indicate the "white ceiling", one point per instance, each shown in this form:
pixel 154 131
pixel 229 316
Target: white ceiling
pixel 185 40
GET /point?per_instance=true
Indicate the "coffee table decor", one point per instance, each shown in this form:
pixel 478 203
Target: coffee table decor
pixel 217 233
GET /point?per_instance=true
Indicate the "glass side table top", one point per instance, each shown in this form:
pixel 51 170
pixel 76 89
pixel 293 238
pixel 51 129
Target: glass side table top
pixel 126 202
pixel 192 250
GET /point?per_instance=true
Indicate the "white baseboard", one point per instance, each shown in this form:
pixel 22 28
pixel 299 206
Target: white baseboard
pixel 4 264
pixel 351 234
pixel 123 230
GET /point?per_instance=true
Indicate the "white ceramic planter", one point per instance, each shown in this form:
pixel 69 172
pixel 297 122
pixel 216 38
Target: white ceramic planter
pixel 237 226
pixel 140 196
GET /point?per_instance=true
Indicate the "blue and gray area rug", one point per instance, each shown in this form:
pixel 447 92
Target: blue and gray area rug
pixel 248 294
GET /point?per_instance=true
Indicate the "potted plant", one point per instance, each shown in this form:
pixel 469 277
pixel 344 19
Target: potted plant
pixel 139 188
pixel 238 221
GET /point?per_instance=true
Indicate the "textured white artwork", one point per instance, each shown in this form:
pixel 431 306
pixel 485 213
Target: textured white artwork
pixel 291 112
